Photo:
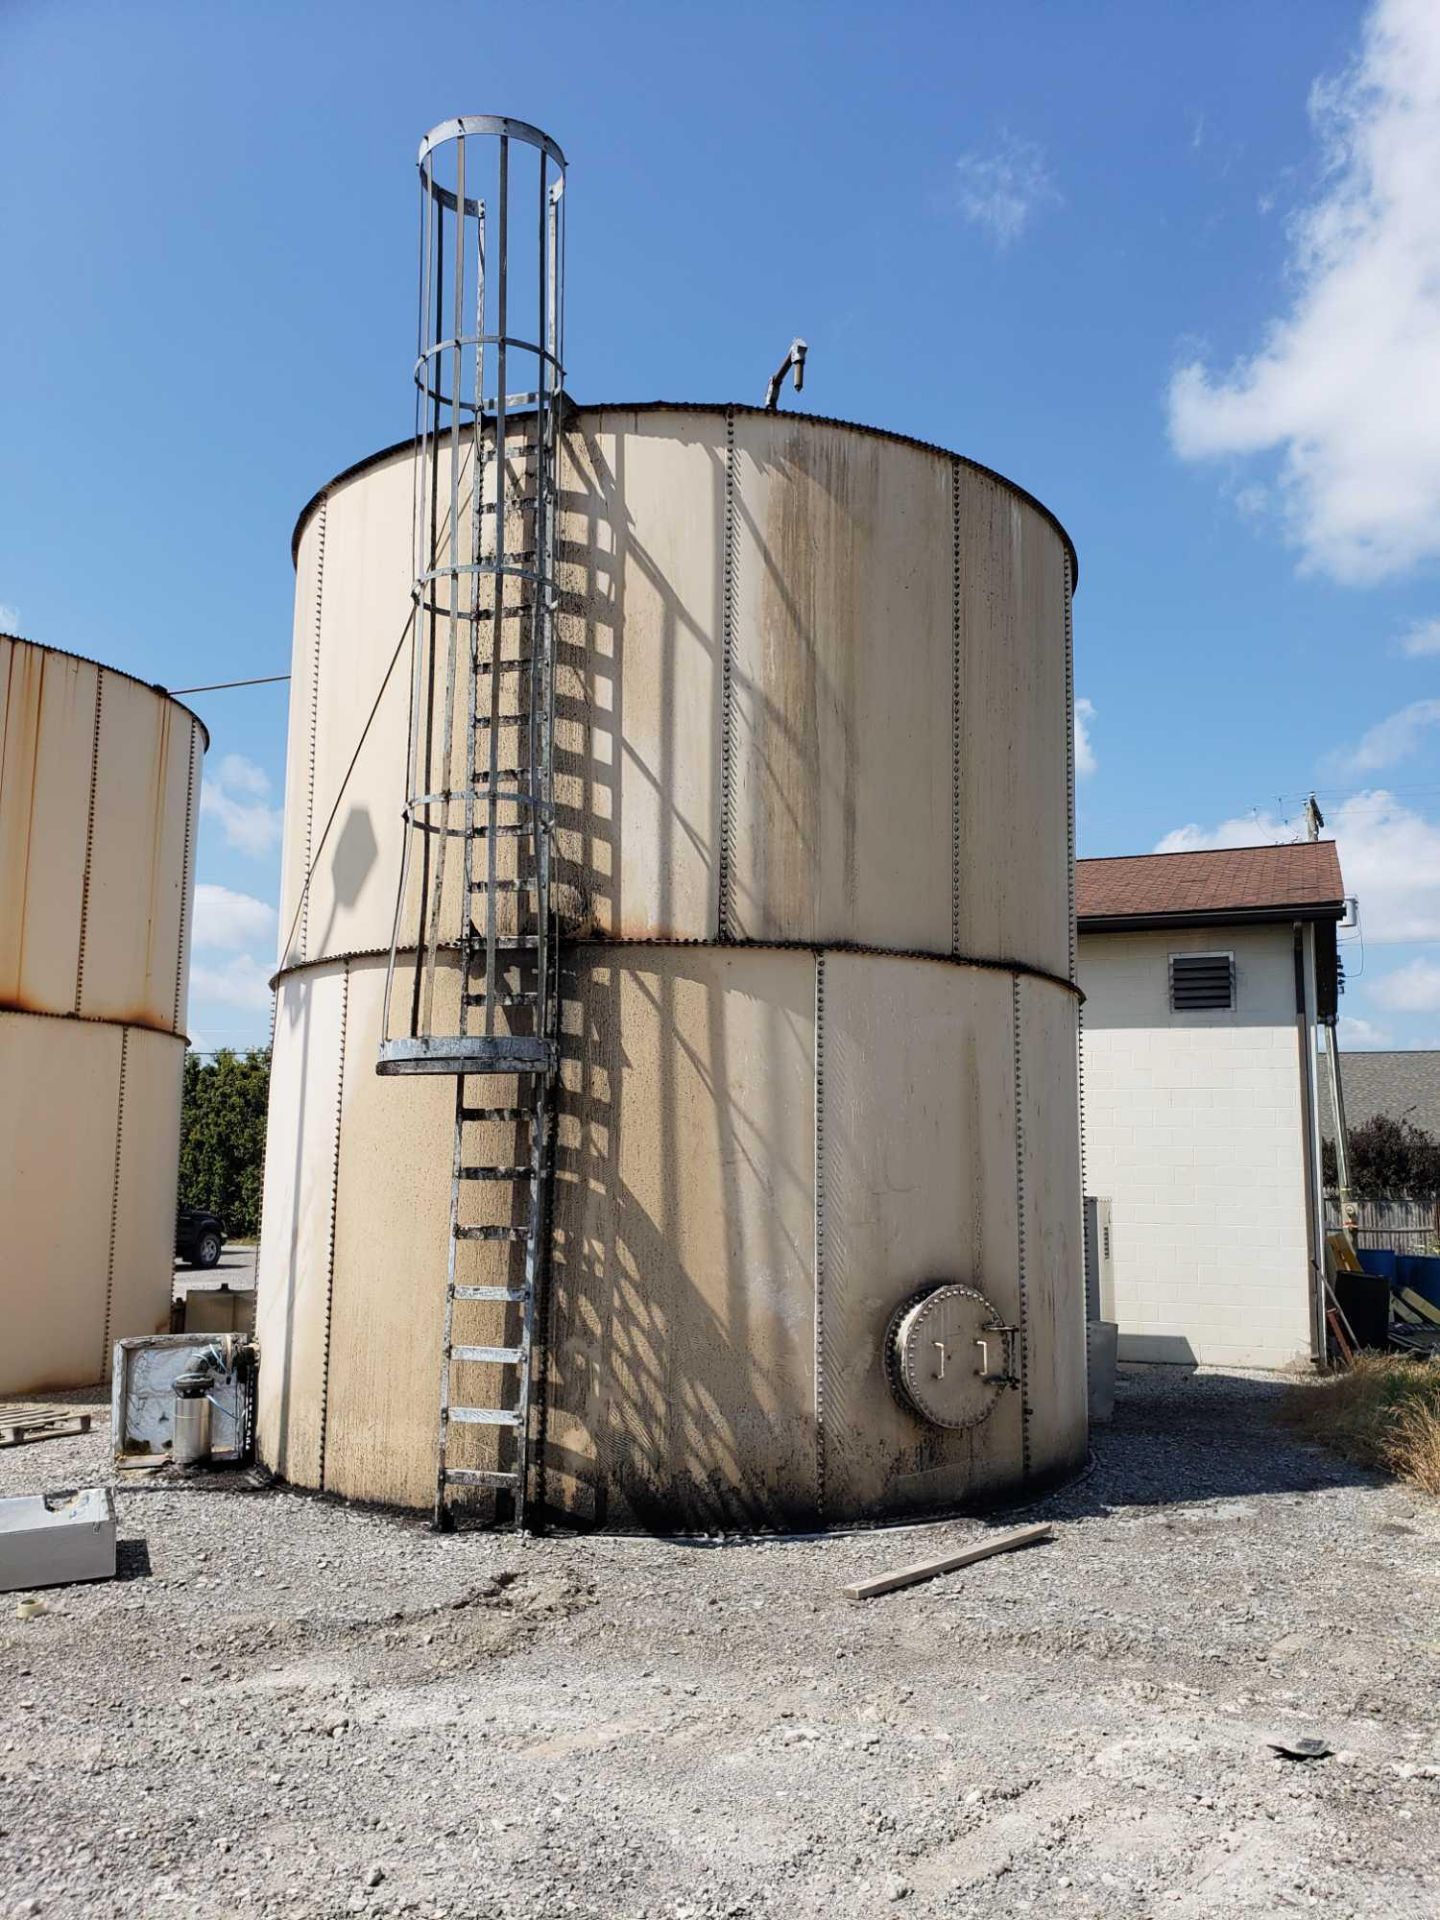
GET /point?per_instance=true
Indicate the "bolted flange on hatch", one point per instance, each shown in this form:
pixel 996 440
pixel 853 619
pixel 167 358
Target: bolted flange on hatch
pixel 949 1356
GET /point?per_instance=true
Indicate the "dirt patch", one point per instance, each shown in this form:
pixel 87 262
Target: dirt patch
pixel 297 1709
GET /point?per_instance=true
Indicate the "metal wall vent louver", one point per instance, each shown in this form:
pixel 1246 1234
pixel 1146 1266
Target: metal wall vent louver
pixel 1201 980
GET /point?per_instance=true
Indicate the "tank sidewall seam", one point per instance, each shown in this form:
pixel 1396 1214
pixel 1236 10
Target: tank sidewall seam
pixel 819 1180
pixel 1020 1230
pixel 115 1204
pixel 334 1215
pixel 955 706
pixel 727 691
pixel 182 944
pixel 85 877
pixel 314 724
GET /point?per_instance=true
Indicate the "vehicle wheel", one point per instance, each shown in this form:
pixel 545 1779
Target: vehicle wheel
pixel 207 1250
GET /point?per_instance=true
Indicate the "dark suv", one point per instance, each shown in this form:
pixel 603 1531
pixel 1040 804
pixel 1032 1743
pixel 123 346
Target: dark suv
pixel 199 1237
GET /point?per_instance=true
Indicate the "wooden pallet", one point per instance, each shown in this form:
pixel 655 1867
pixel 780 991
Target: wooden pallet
pixel 21 1424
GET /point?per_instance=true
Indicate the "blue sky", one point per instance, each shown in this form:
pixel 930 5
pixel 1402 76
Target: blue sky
pixel 1174 269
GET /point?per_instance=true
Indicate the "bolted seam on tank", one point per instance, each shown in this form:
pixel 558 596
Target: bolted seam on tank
pixel 182 942
pixel 114 1206
pixel 334 1213
pixel 726 853
pixel 314 725
pixel 819 1185
pixel 599 942
pixel 89 843
pixel 1024 1315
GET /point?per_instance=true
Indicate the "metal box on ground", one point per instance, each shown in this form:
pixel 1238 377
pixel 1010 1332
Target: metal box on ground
pixel 51 1539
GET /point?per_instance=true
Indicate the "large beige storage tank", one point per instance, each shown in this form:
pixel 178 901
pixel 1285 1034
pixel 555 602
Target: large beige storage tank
pixel 99 791
pixel 815 785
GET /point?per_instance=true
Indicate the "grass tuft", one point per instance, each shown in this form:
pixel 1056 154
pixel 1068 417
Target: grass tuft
pixel 1383 1412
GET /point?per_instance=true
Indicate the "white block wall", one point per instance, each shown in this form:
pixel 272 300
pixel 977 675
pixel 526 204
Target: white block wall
pixel 1194 1127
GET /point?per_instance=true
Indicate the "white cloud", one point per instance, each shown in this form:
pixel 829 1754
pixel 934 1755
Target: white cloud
pixel 1085 761
pixel 9 618
pixel 1411 989
pixel 230 920
pixel 1423 638
pixel 1393 738
pixel 238 982
pixel 1343 386
pixel 1389 856
pixel 236 797
pixel 1358 1034
pixel 1000 191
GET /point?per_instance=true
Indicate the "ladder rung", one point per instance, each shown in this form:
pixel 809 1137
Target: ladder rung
pixel 503 666
pixel 526 884
pixel 486 1416
pixel 502 720
pixel 516 941
pixel 489 1293
pixel 501 999
pixel 479 1477
pixel 497 1173
pixel 515 1234
pixel 494 1356
pixel 510 829
pixel 497 1113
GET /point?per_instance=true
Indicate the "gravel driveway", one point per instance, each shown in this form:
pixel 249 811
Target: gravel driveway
pixel 287 1706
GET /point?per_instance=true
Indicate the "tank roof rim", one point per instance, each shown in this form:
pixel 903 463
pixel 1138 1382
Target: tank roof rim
pixel 375 459
pixel 122 673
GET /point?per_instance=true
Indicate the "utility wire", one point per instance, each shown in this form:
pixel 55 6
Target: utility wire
pixel 224 686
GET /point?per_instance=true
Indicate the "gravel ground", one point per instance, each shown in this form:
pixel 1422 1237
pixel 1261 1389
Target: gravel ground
pixel 288 1706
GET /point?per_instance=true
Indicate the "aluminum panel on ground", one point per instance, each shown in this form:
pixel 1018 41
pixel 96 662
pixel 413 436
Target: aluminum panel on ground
pixel 918 1181
pixel 293 1272
pixel 842 687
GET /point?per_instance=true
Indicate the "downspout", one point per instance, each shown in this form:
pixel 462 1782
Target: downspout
pixel 1305 1032
pixel 1342 1137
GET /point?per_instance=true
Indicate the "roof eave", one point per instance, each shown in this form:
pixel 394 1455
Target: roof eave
pixel 1208 917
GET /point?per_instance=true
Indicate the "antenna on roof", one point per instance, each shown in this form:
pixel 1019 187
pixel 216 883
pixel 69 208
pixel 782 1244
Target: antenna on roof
pixel 1314 819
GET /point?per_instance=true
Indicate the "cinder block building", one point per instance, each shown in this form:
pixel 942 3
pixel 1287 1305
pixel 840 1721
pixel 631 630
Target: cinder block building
pixel 1206 977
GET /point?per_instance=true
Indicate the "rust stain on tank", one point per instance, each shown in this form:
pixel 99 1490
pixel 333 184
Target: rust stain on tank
pixel 804 707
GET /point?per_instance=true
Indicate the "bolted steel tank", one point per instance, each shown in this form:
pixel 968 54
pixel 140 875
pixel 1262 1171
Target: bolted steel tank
pixel 99 792
pixel 815 1243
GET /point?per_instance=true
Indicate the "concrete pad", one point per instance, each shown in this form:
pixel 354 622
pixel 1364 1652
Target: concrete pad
pixel 52 1539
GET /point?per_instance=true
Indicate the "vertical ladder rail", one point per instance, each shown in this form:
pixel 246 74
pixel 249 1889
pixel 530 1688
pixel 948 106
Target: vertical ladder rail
pixel 497 944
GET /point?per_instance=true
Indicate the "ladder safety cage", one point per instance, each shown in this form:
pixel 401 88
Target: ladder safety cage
pixel 471 985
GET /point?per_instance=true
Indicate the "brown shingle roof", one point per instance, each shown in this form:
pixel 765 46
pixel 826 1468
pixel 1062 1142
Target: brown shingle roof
pixel 1231 881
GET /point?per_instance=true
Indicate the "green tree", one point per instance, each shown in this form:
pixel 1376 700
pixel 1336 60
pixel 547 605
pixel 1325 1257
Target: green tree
pixel 1389 1157
pixel 222 1136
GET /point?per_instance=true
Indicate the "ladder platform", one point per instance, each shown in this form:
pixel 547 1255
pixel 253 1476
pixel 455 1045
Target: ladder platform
pixel 461 1053
pixel 491 1356
pixel 485 1416
pixel 512 1294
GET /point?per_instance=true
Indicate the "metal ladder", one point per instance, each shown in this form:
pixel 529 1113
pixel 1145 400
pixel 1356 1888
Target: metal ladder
pixel 472 982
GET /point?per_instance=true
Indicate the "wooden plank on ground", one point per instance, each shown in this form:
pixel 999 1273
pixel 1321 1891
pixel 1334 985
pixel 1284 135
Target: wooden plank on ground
pixel 948 1562
pixel 20 1425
